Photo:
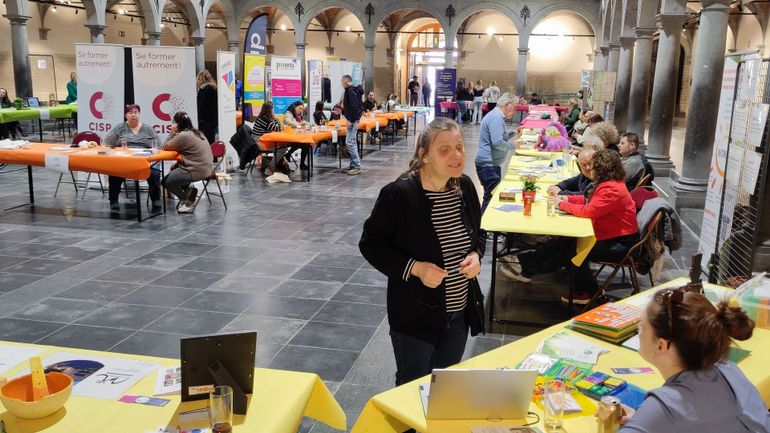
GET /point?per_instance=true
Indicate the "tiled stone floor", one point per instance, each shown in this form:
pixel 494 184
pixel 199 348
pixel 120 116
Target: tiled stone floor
pixel 283 260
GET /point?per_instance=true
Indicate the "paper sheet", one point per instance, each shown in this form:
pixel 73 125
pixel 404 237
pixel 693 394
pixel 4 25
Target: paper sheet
pixel 57 162
pixel 99 376
pixel 44 114
pixel 11 356
pixel 740 121
pixel 334 136
pixel 752 163
pixel 757 124
pixel 734 163
pixel 566 345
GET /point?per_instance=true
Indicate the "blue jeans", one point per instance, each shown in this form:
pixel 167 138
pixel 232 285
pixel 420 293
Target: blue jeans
pixel 351 143
pixel 460 111
pixel 489 176
pixel 416 358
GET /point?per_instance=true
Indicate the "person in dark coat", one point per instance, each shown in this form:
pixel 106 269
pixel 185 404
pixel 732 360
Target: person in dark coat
pixel 207 105
pixel 425 235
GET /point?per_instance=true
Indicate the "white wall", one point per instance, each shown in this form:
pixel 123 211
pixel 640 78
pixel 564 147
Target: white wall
pixel 560 53
pixel 490 53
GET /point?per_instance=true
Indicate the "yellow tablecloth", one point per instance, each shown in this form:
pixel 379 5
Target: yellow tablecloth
pixel 536 153
pixel 539 223
pixel 280 400
pixel 400 408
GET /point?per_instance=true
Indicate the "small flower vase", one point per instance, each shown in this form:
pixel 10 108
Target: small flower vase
pixel 528 205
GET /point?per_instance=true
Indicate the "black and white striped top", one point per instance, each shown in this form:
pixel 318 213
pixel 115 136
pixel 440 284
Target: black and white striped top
pixel 446 215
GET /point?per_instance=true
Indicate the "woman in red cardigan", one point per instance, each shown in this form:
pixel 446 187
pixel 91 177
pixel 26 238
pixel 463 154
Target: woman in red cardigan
pixel 612 213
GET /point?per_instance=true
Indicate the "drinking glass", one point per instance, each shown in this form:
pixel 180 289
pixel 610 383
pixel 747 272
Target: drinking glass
pixel 553 404
pixel 124 144
pixel 221 409
pixel 551 207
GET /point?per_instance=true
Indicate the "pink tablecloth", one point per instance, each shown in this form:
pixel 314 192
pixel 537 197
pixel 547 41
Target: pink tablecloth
pixel 535 123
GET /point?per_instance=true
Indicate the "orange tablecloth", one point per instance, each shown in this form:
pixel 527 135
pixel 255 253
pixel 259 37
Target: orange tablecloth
pixel 365 124
pixel 273 140
pixel 88 160
pixel 399 115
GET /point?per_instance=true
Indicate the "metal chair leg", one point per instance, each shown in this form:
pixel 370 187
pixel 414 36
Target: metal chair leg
pixel 57 185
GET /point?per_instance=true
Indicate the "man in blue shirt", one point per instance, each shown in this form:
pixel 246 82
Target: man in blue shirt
pixel 494 145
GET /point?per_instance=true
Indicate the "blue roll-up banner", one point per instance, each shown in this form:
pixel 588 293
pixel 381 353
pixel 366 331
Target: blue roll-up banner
pixel 256 35
pixel 446 83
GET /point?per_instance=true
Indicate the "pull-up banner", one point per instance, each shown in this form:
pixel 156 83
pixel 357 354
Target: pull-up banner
pixel 256 35
pixel 164 83
pixel 254 81
pixel 100 69
pixel 286 81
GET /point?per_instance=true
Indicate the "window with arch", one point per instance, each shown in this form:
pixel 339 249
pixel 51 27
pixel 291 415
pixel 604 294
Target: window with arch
pixel 428 38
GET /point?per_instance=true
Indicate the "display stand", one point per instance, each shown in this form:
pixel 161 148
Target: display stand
pixel 733 211
pixel 599 92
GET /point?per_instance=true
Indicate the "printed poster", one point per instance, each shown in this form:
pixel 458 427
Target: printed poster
pixel 314 82
pixel 708 234
pixel 164 83
pixel 286 82
pixel 446 84
pixel 101 73
pixel 254 82
pixel 226 105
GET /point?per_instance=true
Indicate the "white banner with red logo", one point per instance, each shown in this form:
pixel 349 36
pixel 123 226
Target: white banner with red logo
pixel 164 83
pixel 226 105
pixel 101 73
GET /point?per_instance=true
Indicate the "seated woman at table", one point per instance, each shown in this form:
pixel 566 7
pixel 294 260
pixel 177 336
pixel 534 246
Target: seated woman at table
pixel 293 118
pixel 336 113
pixel 195 151
pixel 10 128
pixel 319 117
pixel 265 122
pixel 591 121
pixel 688 340
pixel 425 235
pixel 608 133
pixel 136 134
pixel 613 217
pixel 572 117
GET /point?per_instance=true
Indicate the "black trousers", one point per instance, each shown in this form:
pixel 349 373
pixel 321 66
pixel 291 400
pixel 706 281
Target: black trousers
pixel 116 183
pixel 559 252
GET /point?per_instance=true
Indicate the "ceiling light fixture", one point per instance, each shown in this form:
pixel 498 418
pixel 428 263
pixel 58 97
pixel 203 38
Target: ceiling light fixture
pixel 54 9
pixel 347 28
pixel 490 31
pixel 283 27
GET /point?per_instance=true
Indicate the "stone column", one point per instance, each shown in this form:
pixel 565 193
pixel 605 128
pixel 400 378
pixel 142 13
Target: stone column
pixel 22 74
pixel 623 82
pixel 600 61
pixel 521 72
pixel 302 66
pixel 640 82
pixel 369 68
pixel 703 107
pixel 97 33
pixel 233 46
pixel 614 58
pixel 449 57
pixel 200 53
pixel 664 93
pixel 153 38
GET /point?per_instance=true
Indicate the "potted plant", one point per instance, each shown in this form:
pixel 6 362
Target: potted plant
pixel 18 103
pixel 528 192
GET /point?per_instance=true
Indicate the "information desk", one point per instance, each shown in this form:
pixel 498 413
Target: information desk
pixel 400 408
pixel 280 400
pixel 119 163
pixel 46 113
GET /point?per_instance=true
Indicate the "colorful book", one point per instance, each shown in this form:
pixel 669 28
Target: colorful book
pixel 609 322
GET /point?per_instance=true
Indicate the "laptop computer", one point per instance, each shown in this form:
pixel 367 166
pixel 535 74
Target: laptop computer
pixel 33 102
pixel 478 394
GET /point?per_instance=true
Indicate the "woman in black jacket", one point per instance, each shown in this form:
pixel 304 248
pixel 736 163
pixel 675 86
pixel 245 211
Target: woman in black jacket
pixel 208 120
pixel 425 234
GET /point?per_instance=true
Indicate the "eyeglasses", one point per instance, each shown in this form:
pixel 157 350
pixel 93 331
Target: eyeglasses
pixel 672 296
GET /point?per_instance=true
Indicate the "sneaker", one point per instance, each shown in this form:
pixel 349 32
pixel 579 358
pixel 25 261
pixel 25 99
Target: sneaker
pixel 512 261
pixel 183 208
pixel 353 171
pixel 577 298
pixel 114 206
pixel 507 269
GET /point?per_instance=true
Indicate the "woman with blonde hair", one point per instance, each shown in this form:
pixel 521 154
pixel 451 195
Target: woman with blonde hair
pixel 478 102
pixel 491 95
pixel 207 105
pixel 425 235
pixel 607 133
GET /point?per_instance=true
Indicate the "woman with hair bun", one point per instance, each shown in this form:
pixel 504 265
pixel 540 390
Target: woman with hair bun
pixel 687 340
pixel 195 163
